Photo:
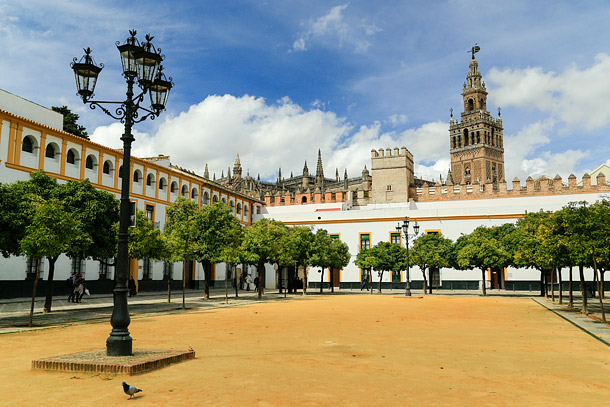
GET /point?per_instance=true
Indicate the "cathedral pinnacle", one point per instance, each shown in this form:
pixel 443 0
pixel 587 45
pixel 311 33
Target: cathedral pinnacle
pixel 206 173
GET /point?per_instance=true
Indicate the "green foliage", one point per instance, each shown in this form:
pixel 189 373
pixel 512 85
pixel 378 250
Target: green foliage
pixel 483 249
pixel 218 234
pixel 96 211
pixel 432 250
pixel 388 256
pixel 365 259
pixel 263 241
pixel 52 230
pixel 146 241
pixel 339 254
pixel 181 231
pixel 321 249
pixel 70 119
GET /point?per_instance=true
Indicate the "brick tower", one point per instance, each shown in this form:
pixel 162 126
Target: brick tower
pixel 476 142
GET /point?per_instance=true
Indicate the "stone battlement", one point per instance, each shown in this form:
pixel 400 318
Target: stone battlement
pixel 541 186
pixel 381 153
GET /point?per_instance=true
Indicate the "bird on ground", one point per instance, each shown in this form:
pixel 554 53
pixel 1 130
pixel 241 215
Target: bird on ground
pixel 130 390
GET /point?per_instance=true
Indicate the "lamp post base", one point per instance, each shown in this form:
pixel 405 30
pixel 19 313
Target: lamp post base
pixel 408 290
pixel 119 343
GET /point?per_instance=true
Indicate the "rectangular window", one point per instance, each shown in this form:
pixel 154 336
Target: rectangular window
pixel 389 187
pixel 150 211
pixel 77 265
pixel 395 237
pixel 365 241
pixel 104 269
pixel 146 269
pixel 30 268
pixel 334 236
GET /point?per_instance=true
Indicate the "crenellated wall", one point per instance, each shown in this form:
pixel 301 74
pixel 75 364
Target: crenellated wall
pixel 541 186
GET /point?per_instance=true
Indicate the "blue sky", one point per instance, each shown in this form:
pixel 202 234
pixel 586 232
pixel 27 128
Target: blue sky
pixel 277 80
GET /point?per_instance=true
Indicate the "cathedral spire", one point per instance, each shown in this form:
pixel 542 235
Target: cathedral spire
pixel 319 171
pixel 206 173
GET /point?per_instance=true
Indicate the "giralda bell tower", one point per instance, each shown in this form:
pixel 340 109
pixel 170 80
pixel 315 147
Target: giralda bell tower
pixel 476 142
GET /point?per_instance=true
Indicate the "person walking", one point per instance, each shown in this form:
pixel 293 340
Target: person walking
pixel 256 281
pixel 248 281
pixel 79 288
pixel 131 285
pixel 365 283
pixel 70 284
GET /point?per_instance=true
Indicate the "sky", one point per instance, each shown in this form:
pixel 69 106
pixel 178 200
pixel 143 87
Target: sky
pixel 274 81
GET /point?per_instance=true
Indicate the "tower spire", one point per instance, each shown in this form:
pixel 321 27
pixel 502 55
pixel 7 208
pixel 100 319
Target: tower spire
pixel 206 173
pixel 319 171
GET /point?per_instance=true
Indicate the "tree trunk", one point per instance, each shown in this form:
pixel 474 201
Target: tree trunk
pixel 601 302
pixel 34 290
pixel 332 280
pixel 48 301
pixel 227 284
pixel 380 278
pixel 370 282
pixel 429 280
pixel 594 285
pixel 304 279
pixel 169 287
pixel 260 269
pixel 602 292
pixel 237 281
pixel 483 280
pixel 570 291
pixel 583 289
pixel 560 285
pixel 423 273
pixel 553 284
pixel 184 284
pixel 542 285
pixel 207 276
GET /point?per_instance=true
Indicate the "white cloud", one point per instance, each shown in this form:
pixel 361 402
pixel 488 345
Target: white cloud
pixel 398 119
pixel 524 158
pixel 334 27
pixel 575 96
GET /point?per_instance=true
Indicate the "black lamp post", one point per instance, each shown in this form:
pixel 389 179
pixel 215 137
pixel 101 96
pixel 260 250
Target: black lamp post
pixel 141 62
pixel 405 229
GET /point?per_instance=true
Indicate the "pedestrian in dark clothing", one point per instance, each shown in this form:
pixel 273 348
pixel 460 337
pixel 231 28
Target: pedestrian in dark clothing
pixel 365 283
pixel 132 287
pixel 79 288
pixel 256 281
pixel 70 285
pixel 241 281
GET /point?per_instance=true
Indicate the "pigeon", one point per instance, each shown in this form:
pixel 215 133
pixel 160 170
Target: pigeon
pixel 130 390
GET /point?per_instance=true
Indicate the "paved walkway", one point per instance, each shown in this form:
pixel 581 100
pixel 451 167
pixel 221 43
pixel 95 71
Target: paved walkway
pixel 14 313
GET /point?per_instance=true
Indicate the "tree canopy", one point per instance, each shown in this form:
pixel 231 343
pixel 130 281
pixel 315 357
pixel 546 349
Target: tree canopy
pixel 70 122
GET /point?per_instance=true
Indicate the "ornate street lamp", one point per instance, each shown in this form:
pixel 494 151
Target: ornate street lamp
pixel 405 229
pixel 141 63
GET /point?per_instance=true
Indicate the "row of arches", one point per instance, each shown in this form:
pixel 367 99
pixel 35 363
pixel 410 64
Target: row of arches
pixel 52 150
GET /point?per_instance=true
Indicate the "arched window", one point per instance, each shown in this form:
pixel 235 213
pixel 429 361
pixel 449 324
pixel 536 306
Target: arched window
pixel 206 198
pixel 239 208
pixel 304 200
pixel 150 179
pixel 27 145
pixel 470 105
pixel 121 171
pixel 465 137
pixel 50 151
pixel 162 183
pixel 71 157
pixel 215 198
pixel 136 176
pixel 185 191
pixel 246 210
pixel 232 205
pixel 106 169
pixel 194 193
pixel 89 162
pixel 174 187
pixel 224 199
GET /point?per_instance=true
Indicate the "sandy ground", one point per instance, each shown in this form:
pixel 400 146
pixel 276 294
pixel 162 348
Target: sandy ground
pixel 331 351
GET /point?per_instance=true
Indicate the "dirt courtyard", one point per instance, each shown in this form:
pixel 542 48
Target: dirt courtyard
pixel 344 350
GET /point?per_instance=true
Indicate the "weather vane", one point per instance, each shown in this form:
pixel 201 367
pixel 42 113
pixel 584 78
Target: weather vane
pixel 475 49
pixel 451 110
